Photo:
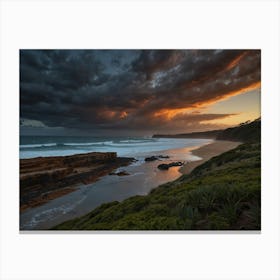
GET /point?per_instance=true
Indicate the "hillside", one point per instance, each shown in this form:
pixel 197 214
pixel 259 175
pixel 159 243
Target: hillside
pixel 212 134
pixel 224 193
pixel 244 132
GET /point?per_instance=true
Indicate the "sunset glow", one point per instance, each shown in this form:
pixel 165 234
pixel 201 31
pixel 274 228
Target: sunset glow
pixel 140 91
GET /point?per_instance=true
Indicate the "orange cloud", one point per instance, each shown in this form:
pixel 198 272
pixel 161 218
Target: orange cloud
pixel 123 115
pixel 169 114
pixel 234 62
pixel 233 119
pixel 106 114
pixel 229 94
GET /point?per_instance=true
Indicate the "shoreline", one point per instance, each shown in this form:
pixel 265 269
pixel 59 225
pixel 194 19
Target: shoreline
pixel 106 188
pixel 241 168
pixel 206 152
pixel 143 177
pixel 43 179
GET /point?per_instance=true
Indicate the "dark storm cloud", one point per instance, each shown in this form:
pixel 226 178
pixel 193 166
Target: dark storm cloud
pixel 130 89
pixel 152 61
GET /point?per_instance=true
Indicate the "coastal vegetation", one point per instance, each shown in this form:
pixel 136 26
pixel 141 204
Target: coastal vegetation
pixel 223 193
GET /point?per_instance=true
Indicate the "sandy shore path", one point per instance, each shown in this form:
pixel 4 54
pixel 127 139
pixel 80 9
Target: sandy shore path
pixel 208 151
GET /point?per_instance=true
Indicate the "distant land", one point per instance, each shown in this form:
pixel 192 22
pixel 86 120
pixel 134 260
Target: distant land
pixel 244 132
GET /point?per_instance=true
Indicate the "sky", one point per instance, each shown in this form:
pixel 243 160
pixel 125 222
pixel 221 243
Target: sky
pixel 137 92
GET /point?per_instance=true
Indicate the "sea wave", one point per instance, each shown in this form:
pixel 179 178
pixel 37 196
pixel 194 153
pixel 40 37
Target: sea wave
pixel 83 144
pixel 131 144
pixel 123 147
pixel 121 143
pixel 38 145
pixel 63 145
pixel 137 141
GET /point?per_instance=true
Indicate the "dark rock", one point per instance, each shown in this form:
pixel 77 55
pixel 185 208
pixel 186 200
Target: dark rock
pixel 178 163
pixel 152 158
pixel 163 166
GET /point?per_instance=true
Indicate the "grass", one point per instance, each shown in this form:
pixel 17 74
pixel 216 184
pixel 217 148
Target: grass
pixel 224 193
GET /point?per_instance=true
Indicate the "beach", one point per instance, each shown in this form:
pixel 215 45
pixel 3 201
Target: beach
pixel 206 152
pixel 139 179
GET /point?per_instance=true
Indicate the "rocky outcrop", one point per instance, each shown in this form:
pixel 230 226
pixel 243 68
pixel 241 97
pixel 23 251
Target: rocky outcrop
pixel 45 178
pixel 165 166
pixel 153 158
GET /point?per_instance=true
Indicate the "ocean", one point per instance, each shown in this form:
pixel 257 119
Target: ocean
pixel 44 146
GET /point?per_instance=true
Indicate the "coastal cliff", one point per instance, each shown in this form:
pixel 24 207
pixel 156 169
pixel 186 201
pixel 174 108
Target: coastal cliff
pixel 46 178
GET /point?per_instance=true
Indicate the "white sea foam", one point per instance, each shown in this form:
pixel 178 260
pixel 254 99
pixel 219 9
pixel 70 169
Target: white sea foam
pixel 37 145
pixel 52 213
pixel 83 144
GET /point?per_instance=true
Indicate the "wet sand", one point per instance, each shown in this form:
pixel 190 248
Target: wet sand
pixel 208 151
